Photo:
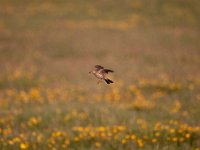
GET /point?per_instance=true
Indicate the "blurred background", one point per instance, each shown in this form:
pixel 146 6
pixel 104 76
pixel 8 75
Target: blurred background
pixel 48 47
pixel 65 39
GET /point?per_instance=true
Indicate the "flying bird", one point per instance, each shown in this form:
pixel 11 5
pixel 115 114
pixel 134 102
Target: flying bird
pixel 101 73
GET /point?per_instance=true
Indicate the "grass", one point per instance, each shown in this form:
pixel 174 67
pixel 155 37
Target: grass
pixel 48 100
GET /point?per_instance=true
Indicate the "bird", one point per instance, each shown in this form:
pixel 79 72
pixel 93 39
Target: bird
pixel 100 72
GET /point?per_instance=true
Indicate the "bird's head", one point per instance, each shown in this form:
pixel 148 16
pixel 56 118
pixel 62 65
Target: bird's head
pixel 92 72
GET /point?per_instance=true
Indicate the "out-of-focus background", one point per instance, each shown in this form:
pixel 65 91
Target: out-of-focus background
pixel 49 101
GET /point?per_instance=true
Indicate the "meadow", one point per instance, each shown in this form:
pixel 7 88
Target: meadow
pixel 49 101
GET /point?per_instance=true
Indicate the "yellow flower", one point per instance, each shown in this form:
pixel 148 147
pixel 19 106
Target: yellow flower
pixel 35 93
pixel 24 146
pixel 140 143
pixel 154 140
pixel 103 135
pixel 34 121
pixel 157 126
pixel 109 134
pixel 92 134
pixel 76 139
pixel 16 139
pixel 67 142
pixel 174 139
pixel 7 131
pixel 133 137
pixel 172 131
pixel 123 141
pixel 102 129
pixel 56 134
pixel 39 138
pixel 157 134
pixel 11 142
pixel 180 131
pixel 187 135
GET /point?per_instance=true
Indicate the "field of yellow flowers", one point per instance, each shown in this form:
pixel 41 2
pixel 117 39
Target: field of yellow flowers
pixel 48 101
pixel 149 114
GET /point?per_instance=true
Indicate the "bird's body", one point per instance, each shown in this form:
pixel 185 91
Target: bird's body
pixel 101 73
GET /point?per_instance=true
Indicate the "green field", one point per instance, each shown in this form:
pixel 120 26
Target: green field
pixel 49 101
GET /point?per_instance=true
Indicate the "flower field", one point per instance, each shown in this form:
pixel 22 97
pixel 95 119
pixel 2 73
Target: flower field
pixel 48 101
pixel 147 114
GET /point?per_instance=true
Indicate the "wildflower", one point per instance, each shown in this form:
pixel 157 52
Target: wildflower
pixel 187 135
pixel 140 143
pixel 157 126
pixel 123 141
pixel 56 134
pixel 76 139
pixel 23 146
pixel 39 138
pixel 134 89
pixel 7 131
pixel 92 134
pixel 157 134
pixel 103 135
pixel 35 93
pixel 133 137
pixel 16 139
pixel 102 129
pixel 109 134
pixel 154 140
pixel 11 142
pixel 34 121
pixel 180 131
pixel 174 139
pixel 114 130
pixel 67 142
pixel 172 131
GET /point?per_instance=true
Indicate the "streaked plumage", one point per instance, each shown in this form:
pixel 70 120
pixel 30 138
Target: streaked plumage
pixel 101 73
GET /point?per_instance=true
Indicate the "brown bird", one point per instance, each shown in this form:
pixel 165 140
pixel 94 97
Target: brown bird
pixel 101 73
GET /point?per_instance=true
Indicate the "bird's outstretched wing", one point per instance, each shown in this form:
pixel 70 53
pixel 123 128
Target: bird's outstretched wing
pixel 107 70
pixel 98 67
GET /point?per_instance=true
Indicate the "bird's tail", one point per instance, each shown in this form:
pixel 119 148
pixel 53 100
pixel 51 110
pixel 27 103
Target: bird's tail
pixel 108 81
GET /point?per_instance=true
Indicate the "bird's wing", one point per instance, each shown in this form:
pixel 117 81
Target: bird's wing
pixel 107 70
pixel 98 67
